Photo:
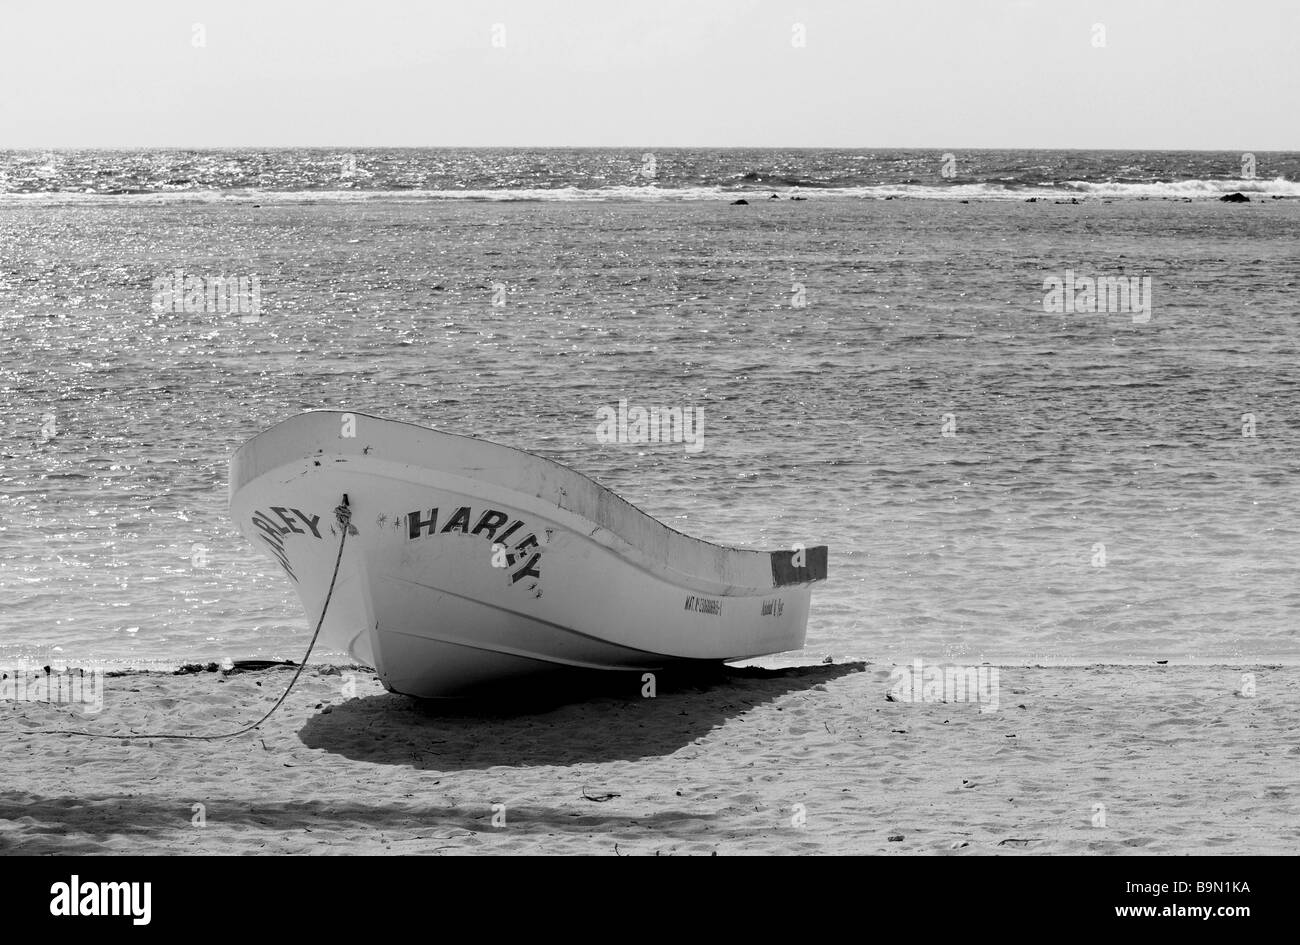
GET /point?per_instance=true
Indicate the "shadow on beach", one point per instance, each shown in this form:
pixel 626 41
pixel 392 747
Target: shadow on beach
pixel 549 726
pixel 79 825
pixel 519 729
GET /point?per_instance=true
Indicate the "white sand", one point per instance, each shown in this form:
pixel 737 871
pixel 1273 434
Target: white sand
pixel 1179 759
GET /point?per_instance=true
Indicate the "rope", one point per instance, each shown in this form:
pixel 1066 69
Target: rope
pixel 343 514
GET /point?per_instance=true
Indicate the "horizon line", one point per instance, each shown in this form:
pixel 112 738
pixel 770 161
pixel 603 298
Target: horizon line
pixel 616 147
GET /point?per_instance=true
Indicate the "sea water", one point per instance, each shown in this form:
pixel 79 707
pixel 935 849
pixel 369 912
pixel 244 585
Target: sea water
pixel 998 478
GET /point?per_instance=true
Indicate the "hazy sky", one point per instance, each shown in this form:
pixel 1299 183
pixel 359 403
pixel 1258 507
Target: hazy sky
pixel 630 73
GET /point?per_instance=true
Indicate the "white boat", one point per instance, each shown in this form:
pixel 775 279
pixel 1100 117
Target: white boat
pixel 472 563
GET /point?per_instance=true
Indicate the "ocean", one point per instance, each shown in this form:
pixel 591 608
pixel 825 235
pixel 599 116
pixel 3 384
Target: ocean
pixel 1002 470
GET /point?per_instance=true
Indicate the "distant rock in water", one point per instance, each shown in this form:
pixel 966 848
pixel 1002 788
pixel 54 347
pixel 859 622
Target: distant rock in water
pixel 1032 200
pixel 742 200
pixel 798 198
pixel 774 197
pixel 1237 197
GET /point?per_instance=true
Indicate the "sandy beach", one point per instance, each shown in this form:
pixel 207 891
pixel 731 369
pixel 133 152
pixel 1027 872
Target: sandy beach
pixel 810 759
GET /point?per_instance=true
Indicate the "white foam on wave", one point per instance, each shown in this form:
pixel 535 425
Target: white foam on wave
pixel 1278 186
pixel 1063 190
pixel 500 195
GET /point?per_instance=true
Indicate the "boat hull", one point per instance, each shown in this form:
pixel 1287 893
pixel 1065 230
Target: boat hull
pixel 470 564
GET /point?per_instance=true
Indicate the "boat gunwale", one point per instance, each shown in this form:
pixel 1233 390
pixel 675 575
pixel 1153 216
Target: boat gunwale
pixel 241 476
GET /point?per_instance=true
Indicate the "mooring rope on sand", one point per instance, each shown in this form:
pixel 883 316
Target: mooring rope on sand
pixel 343 514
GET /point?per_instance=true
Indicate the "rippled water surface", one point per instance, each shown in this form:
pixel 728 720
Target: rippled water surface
pixel 251 174
pixel 823 423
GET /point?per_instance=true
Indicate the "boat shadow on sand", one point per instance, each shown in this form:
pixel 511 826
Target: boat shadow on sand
pixel 557 724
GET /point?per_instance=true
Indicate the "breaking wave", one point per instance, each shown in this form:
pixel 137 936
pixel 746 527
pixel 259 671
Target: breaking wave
pixel 1065 190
